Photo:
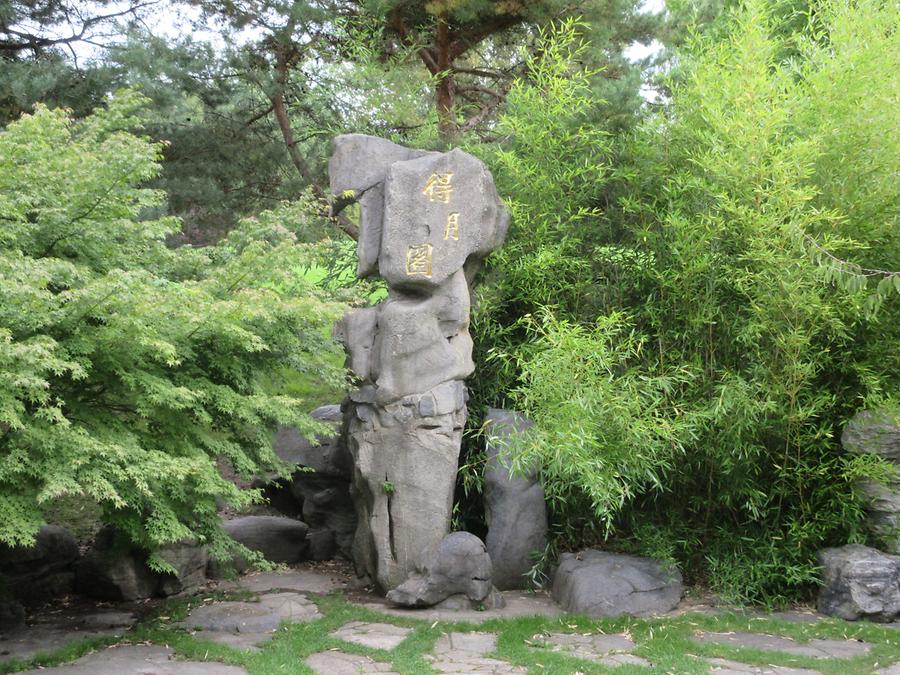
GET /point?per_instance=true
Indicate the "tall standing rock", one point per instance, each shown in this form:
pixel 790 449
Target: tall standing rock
pixel 427 219
pixel 514 506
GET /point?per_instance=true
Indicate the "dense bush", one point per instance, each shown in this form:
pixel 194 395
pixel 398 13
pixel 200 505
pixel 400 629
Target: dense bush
pixel 687 330
pixel 128 369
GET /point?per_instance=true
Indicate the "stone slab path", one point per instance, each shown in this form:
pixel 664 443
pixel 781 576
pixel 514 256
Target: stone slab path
pixel 54 631
pixel 608 650
pixel 374 635
pixel 819 649
pixel 726 667
pixel 465 653
pixel 138 660
pixel 339 663
pixel 244 624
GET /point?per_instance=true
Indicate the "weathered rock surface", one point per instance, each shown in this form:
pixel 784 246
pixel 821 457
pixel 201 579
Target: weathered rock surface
pixel 360 163
pixel 460 564
pixel 602 584
pixel 34 574
pixel 514 505
pixel 427 220
pixel 859 583
pixel 113 570
pixel 877 432
pixel 320 492
pixel 280 540
pixel 189 561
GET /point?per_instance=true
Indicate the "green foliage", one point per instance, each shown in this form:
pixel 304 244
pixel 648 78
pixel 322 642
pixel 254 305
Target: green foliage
pixel 129 369
pixel 691 331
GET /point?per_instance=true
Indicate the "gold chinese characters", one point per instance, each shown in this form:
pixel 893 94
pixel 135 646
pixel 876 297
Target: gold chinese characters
pixel 451 229
pixel 418 260
pixel 438 188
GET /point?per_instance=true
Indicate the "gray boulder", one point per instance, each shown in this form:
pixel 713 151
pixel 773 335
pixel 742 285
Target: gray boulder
pixel 877 432
pixel 38 573
pixel 459 565
pixel 280 540
pixel 600 584
pixel 859 582
pixel 514 506
pixel 190 561
pixel 326 455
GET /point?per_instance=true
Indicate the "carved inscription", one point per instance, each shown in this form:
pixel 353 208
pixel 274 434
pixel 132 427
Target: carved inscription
pixel 439 187
pixel 418 261
pixel 451 229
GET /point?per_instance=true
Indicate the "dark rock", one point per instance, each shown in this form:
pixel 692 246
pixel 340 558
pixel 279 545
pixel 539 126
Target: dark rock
pixel 322 545
pixel 280 540
pixel 35 574
pixel 279 496
pixel 12 616
pixel 601 584
pixel 859 582
pixel 459 565
pixel 327 505
pixel 515 510
pixel 115 574
pixel 113 569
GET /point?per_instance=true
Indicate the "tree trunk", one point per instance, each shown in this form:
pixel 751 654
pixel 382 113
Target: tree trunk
pixel 444 92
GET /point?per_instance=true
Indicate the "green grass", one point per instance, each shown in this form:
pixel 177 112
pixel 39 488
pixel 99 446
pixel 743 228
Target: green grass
pixel 665 641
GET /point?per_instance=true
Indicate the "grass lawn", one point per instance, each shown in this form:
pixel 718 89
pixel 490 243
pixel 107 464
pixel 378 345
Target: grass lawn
pixel 665 641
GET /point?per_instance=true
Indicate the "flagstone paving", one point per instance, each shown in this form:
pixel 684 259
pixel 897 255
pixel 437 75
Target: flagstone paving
pixel 726 667
pixel 465 653
pixel 607 650
pixel 339 663
pixel 244 624
pixel 55 630
pixel 138 660
pixel 820 649
pixel 374 635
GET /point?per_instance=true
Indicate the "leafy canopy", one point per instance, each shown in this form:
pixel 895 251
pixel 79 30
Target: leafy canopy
pixel 127 369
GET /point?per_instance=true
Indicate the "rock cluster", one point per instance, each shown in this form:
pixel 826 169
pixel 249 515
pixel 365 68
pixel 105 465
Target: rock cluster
pixel 877 432
pixel 427 219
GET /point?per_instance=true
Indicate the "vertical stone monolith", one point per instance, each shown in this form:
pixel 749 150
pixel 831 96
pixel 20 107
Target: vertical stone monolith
pixel 427 219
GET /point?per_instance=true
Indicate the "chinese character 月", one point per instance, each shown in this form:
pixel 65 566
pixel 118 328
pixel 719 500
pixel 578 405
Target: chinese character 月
pixel 418 260
pixel 451 229
pixel 438 187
